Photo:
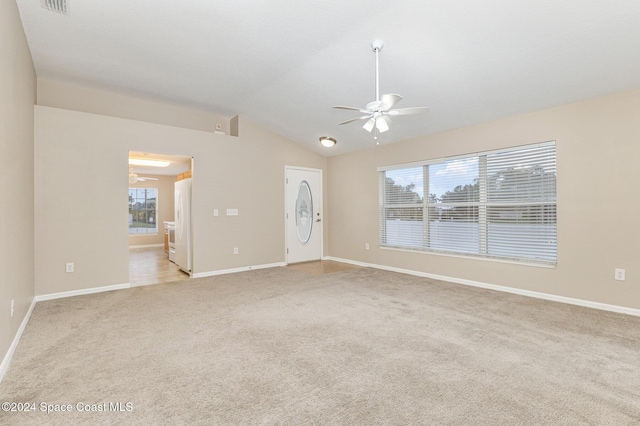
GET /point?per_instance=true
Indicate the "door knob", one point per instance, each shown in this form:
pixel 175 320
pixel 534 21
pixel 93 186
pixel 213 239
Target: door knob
pixel 318 220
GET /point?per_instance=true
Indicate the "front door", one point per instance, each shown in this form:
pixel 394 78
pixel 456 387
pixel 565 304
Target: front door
pixel 303 214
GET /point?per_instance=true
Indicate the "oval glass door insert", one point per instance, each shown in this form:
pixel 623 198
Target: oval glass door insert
pixel 304 212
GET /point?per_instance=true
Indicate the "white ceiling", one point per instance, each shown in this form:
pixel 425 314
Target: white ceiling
pixel 285 63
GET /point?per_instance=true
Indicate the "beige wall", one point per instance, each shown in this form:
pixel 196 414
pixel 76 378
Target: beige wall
pixel 81 181
pixel 164 207
pixel 598 200
pixel 17 97
pixel 80 98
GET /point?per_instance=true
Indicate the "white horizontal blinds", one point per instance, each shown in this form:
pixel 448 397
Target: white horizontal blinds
pixel 453 205
pixel 521 204
pixel 494 204
pixel 402 207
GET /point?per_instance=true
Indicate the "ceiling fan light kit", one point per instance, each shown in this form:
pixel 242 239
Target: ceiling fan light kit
pixel 377 112
pixel 327 141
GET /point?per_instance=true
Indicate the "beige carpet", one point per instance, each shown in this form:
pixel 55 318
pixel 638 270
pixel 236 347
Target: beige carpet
pixel 363 346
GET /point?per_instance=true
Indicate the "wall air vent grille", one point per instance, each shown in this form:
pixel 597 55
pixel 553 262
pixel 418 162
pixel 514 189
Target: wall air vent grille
pixel 60 6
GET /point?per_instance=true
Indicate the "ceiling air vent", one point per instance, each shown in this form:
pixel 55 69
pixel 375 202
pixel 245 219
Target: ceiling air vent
pixel 60 6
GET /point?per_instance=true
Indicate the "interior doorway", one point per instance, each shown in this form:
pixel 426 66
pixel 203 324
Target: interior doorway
pixel 151 215
pixel 303 198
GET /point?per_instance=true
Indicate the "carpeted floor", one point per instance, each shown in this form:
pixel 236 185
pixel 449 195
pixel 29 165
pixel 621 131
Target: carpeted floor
pixel 362 346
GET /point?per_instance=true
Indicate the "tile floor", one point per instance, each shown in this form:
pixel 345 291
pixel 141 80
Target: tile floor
pixel 151 265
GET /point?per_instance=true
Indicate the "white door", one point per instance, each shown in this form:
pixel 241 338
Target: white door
pixel 303 199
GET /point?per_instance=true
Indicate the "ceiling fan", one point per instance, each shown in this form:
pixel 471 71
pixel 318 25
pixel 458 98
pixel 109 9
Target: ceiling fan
pixel 379 111
pixel 134 177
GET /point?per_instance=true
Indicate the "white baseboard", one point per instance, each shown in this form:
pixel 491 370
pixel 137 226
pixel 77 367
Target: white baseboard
pixel 528 293
pixel 234 270
pixel 14 344
pixel 84 291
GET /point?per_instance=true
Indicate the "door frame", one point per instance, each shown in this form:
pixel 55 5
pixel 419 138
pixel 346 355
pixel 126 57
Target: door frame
pixel 192 168
pixel 286 204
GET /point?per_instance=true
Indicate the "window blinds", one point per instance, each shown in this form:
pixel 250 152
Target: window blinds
pixel 402 215
pixel 494 204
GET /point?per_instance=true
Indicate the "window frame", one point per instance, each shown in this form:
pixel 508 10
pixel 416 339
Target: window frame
pixel 156 229
pixel 548 207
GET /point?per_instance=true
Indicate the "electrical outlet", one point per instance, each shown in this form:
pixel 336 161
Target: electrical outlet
pixel 619 274
pixel 366 246
pixel 70 267
pixel 235 250
pixel 215 212
pixel 12 306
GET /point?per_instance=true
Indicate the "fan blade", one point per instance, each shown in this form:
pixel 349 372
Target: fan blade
pixel 368 126
pixel 349 108
pixel 355 119
pixel 381 124
pixel 142 179
pixel 389 100
pixel 408 111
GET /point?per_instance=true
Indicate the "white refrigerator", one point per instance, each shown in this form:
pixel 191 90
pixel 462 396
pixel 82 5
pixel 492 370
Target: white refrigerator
pixel 182 194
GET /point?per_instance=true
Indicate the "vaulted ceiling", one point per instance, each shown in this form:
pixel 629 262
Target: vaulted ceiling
pixel 285 63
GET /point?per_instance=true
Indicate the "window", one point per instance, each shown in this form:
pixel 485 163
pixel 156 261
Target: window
pixel 142 211
pixel 498 204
